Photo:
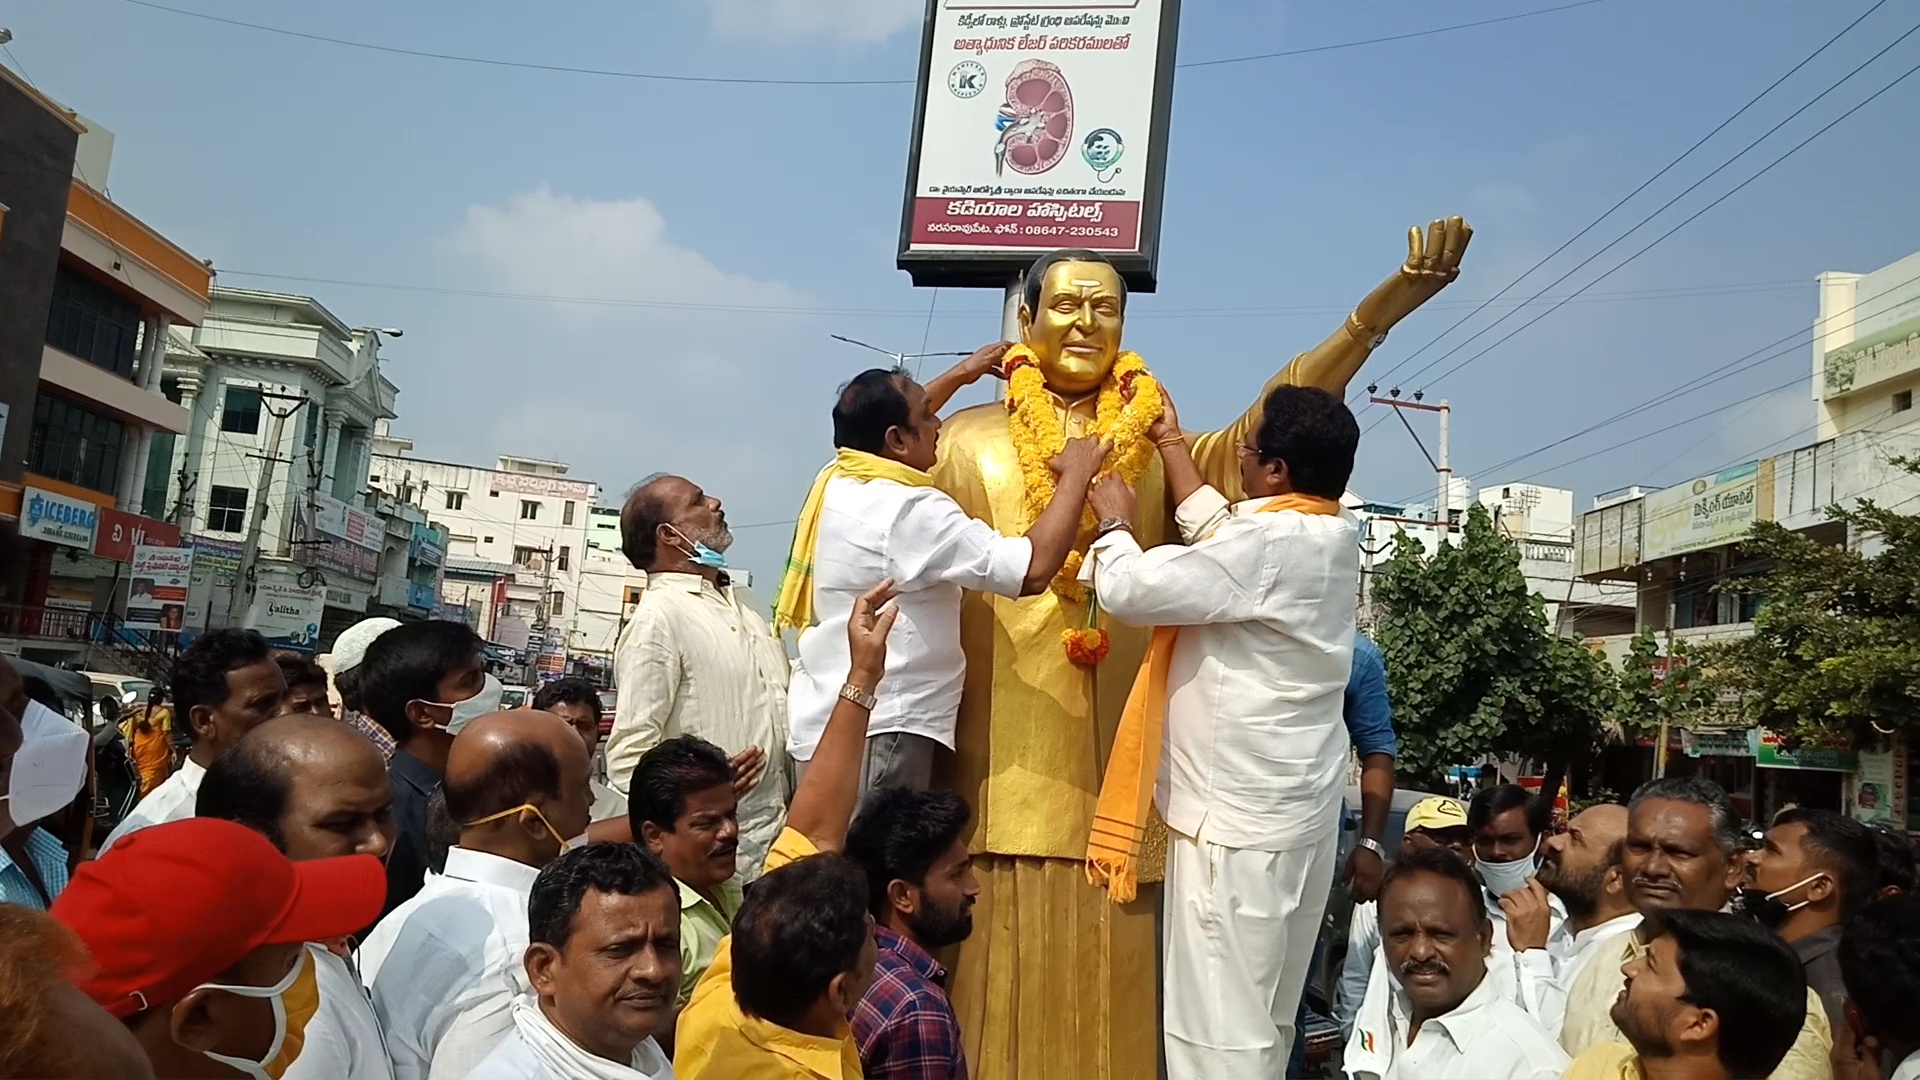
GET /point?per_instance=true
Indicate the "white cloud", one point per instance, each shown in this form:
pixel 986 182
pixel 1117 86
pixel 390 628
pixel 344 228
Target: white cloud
pixel 854 22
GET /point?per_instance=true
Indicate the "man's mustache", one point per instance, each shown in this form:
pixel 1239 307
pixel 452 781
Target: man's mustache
pixel 1425 967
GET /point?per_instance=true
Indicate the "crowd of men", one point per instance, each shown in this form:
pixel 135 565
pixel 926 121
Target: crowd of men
pixel 365 868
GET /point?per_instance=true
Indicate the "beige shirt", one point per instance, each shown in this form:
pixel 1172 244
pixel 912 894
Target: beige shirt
pixel 699 660
pixel 1590 1014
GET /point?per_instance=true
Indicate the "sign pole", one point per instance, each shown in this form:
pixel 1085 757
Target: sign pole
pixel 244 583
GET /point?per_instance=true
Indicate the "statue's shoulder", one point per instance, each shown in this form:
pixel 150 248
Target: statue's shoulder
pixel 977 421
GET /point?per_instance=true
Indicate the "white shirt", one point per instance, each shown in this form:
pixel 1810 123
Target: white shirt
pixel 1530 979
pixel 607 803
pixel 343 1040
pixel 919 537
pixel 445 966
pixel 1486 1038
pixel 696 660
pixel 1256 751
pixel 1908 1069
pixel 536 1049
pixel 1573 952
pixel 171 801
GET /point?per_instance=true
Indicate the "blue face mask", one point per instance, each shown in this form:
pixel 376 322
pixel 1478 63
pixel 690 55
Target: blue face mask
pixel 702 555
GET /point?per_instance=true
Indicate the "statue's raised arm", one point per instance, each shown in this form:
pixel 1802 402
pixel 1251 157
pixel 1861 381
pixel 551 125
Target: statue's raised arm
pixel 1433 261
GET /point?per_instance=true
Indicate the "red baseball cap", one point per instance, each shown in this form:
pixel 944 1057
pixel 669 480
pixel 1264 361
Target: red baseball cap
pixel 172 906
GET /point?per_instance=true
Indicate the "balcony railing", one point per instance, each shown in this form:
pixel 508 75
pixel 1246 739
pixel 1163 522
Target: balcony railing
pixel 47 624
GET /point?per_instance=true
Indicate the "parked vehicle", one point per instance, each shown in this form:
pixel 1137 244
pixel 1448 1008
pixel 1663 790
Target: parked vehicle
pixel 125 691
pixel 516 696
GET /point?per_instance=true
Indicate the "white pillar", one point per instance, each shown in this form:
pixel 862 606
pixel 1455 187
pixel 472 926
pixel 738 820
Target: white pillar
pixel 330 455
pixel 185 452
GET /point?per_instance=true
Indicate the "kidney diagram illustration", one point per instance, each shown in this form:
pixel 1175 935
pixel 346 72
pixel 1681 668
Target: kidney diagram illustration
pixel 1036 123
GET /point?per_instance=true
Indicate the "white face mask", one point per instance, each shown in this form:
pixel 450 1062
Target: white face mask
pixel 50 766
pixel 480 704
pixel 1501 878
pixel 296 999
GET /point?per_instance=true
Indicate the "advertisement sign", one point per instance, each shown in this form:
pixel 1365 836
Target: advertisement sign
pixel 427 548
pixel 533 484
pixel 1873 360
pixel 1703 513
pixel 346 597
pixel 287 615
pixel 1716 743
pixel 422 597
pixel 333 518
pixel 119 532
pixel 58 519
pixel 1878 794
pixel 1769 751
pixel 157 587
pixel 1038 124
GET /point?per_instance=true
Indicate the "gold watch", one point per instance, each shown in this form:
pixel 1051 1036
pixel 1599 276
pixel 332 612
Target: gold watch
pixel 859 697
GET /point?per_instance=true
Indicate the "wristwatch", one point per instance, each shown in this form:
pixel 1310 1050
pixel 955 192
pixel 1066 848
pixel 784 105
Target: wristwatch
pixel 859 697
pixel 1107 525
pixel 1374 846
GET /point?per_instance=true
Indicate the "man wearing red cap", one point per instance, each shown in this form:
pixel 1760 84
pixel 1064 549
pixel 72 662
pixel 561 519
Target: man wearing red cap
pixel 198 928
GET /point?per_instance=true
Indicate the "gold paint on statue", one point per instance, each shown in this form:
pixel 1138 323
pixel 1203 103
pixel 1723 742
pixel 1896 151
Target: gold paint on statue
pixel 1064 994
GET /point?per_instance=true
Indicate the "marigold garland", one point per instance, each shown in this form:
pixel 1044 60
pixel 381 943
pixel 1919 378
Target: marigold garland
pixel 1040 432
pixel 1086 647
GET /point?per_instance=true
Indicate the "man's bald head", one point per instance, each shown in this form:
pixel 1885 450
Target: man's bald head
pixel 312 785
pixel 1574 864
pixel 506 759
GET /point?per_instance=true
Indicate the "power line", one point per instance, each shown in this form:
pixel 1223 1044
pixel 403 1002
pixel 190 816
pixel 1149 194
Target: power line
pixel 1689 219
pixel 566 69
pixel 1668 167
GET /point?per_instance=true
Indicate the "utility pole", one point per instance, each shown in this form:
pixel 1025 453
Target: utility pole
pixel 1443 472
pixel 244 585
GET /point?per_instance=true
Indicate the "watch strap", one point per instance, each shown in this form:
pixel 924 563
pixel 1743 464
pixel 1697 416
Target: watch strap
pixel 859 697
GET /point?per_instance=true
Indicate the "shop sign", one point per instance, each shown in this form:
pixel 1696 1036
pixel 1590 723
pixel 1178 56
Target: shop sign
pixel 287 615
pixel 58 519
pixel 119 532
pixel 1769 752
pixel 1709 512
pixel 331 517
pixel 1879 790
pixel 1717 743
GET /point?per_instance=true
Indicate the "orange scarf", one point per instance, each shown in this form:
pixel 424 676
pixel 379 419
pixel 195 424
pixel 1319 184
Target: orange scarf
pixel 1126 794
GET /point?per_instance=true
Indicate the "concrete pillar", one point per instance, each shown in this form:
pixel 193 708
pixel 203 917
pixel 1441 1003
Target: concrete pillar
pixel 186 456
pixel 331 454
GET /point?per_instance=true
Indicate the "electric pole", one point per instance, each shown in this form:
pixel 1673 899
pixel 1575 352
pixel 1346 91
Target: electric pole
pixel 1442 471
pixel 244 585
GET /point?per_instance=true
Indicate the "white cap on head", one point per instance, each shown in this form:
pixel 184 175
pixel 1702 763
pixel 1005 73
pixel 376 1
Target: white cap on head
pixel 351 646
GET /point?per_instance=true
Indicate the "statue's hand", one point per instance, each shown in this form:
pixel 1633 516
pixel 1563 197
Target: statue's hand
pixel 1433 261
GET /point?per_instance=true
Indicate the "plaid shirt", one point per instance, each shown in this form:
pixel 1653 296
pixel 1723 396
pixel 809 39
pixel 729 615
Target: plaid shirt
pixel 381 739
pixel 905 1024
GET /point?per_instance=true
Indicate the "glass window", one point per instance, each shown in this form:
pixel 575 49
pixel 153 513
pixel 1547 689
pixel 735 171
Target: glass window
pixel 556 604
pixel 242 411
pixel 226 509
pixel 565 553
pixel 75 445
pixel 159 479
pixel 88 320
pixel 566 514
pixel 529 510
pixel 456 499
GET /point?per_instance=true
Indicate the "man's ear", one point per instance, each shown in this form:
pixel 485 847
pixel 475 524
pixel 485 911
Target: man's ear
pixel 1821 888
pixel 420 715
pixel 902 897
pixel 895 440
pixel 192 1024
pixel 840 994
pixel 200 720
pixel 1701 1027
pixel 653 836
pixel 540 961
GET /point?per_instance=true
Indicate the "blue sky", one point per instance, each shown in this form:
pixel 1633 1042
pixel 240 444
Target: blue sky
pixel 1290 185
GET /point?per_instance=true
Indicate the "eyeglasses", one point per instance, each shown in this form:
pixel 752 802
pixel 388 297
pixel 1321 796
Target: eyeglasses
pixel 1246 451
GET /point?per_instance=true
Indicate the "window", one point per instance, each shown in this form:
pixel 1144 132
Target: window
pixel 1903 401
pixel 633 594
pixel 529 558
pixel 242 412
pixel 566 513
pixel 486 539
pixel 529 510
pixel 556 604
pixel 226 509
pixel 88 320
pixel 456 500
pixel 565 551
pixel 75 445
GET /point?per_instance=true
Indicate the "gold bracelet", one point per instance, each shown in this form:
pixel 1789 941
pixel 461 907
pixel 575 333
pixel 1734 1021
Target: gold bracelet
pixel 1170 440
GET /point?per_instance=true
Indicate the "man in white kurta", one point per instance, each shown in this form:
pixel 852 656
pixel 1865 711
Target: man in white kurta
pixel 1255 752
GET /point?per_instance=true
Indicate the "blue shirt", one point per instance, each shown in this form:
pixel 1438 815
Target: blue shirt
pixel 49 859
pixel 1368 713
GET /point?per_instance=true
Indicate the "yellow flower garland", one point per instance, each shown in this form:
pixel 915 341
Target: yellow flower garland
pixel 1040 432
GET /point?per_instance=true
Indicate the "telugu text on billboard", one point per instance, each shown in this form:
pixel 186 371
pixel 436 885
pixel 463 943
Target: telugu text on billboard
pixel 1704 513
pixel 1040 125
pixel 287 615
pixel 157 588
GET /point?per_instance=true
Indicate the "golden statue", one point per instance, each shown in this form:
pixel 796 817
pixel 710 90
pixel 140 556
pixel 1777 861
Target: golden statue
pixel 1057 981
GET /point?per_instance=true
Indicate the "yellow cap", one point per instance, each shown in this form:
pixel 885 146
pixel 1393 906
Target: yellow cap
pixel 1438 812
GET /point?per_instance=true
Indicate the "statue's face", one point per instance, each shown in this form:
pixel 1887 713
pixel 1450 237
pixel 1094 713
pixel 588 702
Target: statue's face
pixel 1076 332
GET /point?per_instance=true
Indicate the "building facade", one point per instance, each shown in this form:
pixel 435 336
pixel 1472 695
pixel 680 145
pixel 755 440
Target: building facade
pixel 516 546
pixel 81 394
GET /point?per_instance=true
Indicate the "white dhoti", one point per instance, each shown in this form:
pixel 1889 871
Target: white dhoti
pixel 1239 934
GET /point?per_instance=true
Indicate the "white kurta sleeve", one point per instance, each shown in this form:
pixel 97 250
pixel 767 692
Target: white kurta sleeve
pixel 934 542
pixel 646 670
pixel 1219 579
pixel 1363 940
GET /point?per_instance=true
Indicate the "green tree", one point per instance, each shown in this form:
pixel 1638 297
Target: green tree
pixel 1471 666
pixel 1658 685
pixel 1836 648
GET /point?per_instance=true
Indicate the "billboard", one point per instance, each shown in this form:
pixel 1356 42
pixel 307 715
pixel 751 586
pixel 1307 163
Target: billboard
pixel 157 588
pixel 58 519
pixel 119 533
pixel 1709 512
pixel 287 615
pixel 1038 124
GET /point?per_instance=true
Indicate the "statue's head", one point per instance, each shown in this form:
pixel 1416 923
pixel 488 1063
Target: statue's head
pixel 1071 316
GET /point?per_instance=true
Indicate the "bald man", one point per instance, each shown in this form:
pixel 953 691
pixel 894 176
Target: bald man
pixel 318 789
pixel 445 966
pixel 1581 866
